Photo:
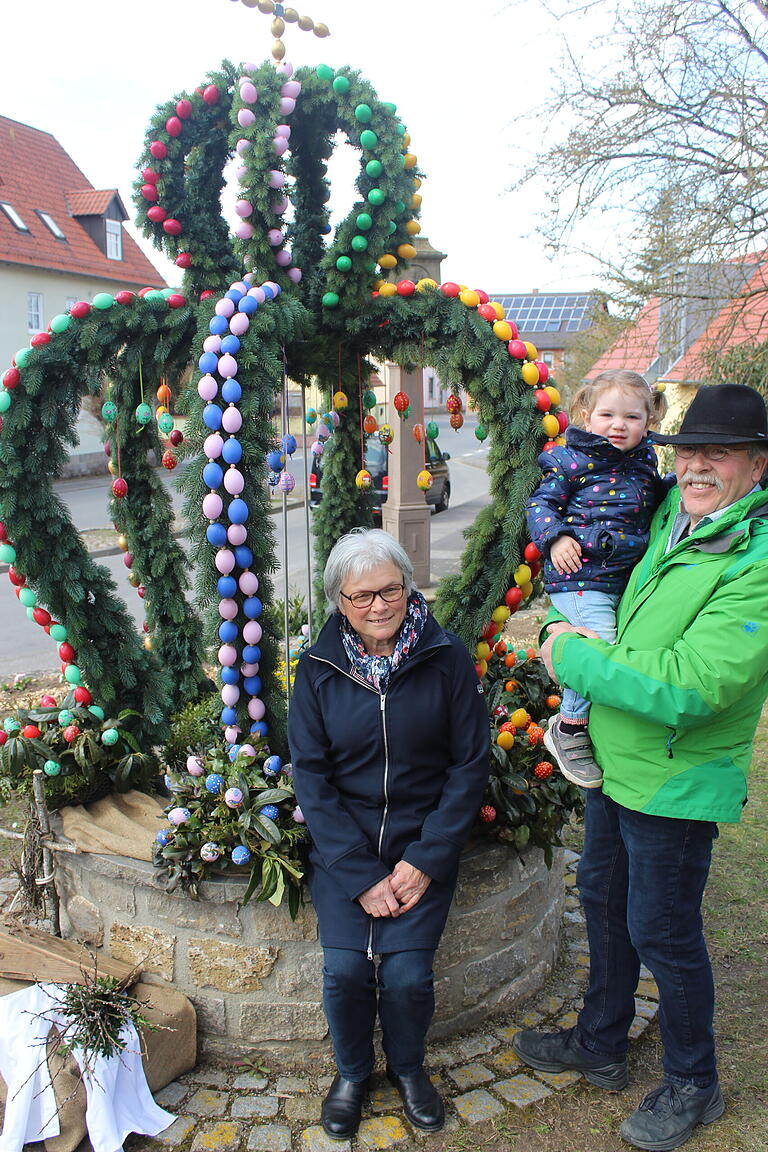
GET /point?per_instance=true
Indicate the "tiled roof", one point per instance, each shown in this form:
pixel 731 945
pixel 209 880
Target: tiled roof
pixel 636 348
pixel 93 203
pixel 37 175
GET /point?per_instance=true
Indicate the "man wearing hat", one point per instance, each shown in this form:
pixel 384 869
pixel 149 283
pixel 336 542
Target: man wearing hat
pixel 675 705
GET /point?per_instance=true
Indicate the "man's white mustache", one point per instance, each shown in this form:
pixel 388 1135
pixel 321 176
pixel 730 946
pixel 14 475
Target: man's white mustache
pixel 692 477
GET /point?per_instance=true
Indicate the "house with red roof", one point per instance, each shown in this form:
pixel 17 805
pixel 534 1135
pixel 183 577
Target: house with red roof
pixel 714 308
pixel 61 239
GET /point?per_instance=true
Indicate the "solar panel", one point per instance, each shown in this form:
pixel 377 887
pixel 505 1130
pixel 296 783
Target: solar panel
pixel 539 313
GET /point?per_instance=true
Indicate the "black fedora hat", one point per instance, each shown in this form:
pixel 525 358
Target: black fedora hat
pixel 722 414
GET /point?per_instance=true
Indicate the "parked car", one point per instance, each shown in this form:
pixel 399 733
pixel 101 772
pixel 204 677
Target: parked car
pixel 377 461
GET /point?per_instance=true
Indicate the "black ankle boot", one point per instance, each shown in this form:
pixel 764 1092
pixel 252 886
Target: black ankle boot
pixel 342 1107
pixel 421 1101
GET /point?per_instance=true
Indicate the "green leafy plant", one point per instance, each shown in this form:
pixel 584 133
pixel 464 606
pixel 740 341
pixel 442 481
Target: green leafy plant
pixel 194 727
pixel 234 815
pixel 97 1010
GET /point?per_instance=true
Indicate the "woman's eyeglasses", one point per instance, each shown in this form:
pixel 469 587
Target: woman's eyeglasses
pixel 390 595
pixel 709 452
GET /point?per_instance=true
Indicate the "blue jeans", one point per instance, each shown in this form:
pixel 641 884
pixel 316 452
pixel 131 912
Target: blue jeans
pixel 595 610
pixel 406 1003
pixel 641 880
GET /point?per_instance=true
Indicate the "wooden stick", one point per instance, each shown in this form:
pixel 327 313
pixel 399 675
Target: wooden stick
pixel 52 844
pixel 48 866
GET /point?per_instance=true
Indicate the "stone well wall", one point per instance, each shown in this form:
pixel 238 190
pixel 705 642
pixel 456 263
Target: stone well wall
pixel 254 975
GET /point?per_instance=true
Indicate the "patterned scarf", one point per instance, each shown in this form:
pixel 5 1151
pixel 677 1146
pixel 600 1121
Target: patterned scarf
pixel 376 670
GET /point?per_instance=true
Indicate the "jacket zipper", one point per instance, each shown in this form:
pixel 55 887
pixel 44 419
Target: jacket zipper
pixel 386 803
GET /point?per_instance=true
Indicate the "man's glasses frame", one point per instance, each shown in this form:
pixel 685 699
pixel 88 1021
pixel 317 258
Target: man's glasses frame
pixel 390 595
pixel 713 452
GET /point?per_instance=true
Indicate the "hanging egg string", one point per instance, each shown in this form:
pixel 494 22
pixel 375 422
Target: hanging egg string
pixel 286 485
pixel 424 478
pixel 233 558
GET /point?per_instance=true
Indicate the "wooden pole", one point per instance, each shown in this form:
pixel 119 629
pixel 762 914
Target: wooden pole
pixel 47 881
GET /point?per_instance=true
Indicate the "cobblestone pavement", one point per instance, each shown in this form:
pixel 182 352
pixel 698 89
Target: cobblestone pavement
pixel 479 1075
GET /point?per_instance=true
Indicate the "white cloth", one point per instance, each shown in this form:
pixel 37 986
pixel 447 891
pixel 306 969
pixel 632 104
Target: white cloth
pixel 118 1100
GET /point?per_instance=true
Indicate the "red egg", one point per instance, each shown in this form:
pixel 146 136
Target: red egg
pixel 531 553
pixel 488 313
pixel 176 300
pixel 184 109
pixel 542 400
pixel 123 296
pixel 543 371
pixel 406 288
pixel 450 289
pixel 172 227
pixel 484 297
pixel 211 94
pixel 11 378
pixel 158 150
pixel 517 349
pixel 66 652
pixel 562 420
pixel 149 192
pixel 183 260
pixel 82 695
pixel 156 214
pixel 173 126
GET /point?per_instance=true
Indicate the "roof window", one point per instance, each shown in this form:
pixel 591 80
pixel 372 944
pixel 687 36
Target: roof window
pixel 13 216
pixel 51 224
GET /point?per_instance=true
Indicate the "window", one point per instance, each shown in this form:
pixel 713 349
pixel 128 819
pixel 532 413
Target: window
pixel 51 224
pixel 13 216
pixel 34 311
pixel 548 358
pixel 114 240
pixel 69 301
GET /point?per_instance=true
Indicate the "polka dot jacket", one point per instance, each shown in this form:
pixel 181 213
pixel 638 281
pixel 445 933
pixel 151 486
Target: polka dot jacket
pixel 602 497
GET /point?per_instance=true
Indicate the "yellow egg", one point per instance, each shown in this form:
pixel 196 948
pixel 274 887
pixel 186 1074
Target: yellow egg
pixel 278 49
pixel 502 329
pixel 363 479
pixel 550 425
pixel 483 666
pixel 469 297
pixel 407 139
pixel 526 589
pixel 531 351
pixel 388 289
pixel 501 614
pixel 413 227
pixel 416 200
pixel 148 643
pixel 424 479
pixel 122 543
pixel 426 282
pixel 530 373
pixel 406 251
pixel 553 394
pixel 522 575
pixel 160 411
pixel 560 440
pixel 500 313
pixel 340 401
pixel 417 181
pixel 482 650
pixel 112 468
pixel 387 260
pixel 410 160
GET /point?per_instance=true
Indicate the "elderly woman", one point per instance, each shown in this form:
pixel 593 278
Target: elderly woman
pixel 389 741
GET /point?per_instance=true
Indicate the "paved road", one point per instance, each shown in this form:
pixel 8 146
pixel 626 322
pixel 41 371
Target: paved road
pixel 25 648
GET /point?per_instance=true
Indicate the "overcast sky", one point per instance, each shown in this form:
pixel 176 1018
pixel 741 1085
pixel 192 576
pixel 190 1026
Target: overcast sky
pixel 463 76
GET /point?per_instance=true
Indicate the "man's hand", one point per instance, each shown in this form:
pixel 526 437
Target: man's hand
pixel 565 555
pixel 409 884
pixel 380 900
pixel 555 630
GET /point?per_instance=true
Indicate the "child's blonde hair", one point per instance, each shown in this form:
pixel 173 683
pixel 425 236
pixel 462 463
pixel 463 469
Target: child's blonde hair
pixel 586 399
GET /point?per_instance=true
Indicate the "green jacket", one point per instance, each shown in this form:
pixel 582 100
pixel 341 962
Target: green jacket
pixel 677 699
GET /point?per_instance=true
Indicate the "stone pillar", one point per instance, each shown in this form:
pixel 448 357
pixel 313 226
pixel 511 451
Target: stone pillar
pixel 405 513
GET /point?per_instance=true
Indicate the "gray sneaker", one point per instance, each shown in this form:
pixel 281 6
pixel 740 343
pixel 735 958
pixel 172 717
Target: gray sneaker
pixel 574 756
pixel 667 1116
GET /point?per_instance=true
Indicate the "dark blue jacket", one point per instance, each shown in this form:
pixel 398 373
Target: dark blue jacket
pixel 602 497
pixel 387 778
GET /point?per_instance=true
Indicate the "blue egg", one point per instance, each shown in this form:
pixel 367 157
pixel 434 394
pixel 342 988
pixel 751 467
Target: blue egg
pixel 253 659
pixel 167 781
pixel 226 586
pixel 240 855
pixel 249 305
pixel 213 474
pixel 212 417
pixel 237 511
pixel 208 362
pixel 252 685
pixel 267 290
pixel 259 728
pixel 243 556
pixel 229 675
pixel 232 450
pixel 233 753
pixel 326 230
pixel 230 344
pixel 275 460
pixel 218 326
pixel 234 294
pixel 216 535
pixel 231 392
pixel 289 444
pixel 228 716
pixel 162 837
pixel 270 811
pixel 272 766
pixel 253 607
pixel 273 479
pixel 228 631
pixel 214 783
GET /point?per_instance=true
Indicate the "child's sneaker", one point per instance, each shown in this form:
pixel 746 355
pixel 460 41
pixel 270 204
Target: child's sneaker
pixel 574 755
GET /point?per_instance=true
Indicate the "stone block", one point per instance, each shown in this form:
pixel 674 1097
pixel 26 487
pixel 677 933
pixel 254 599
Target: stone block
pixel 521 1090
pixel 469 1076
pixel 476 1106
pixel 190 915
pixel 178 1132
pixel 551 1005
pixel 478 1045
pixel 207 1102
pixel 381 1132
pixel 209 1076
pixel 300 974
pixel 302 1109
pixel 646 1008
pixel 492 974
pixel 172 1095
pixel 531 1018
pixel 265 922
pixel 559 1079
pixel 567 1020
pixel 246 1107
pixel 268 1021
pixel 269 1138
pixel 211 1014
pixel 522 909
pixel 483 872
pixel 384 1097
pixel 292 1085
pixel 464 934
pixel 153 950
pixel 112 894
pixel 86 920
pixel 314 1139
pixel 250 1081
pixel 637 1027
pixel 229 967
pixel 222 1137
pixel 648 989
pixel 507 1061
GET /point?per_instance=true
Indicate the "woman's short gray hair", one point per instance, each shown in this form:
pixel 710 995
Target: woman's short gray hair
pixel 360 551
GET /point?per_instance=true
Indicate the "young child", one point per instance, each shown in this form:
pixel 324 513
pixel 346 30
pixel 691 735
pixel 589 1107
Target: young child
pixel 589 517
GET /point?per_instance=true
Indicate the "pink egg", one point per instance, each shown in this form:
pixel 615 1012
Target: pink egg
pixel 230 694
pixel 228 609
pixel 234 481
pixel 242 146
pixel 280 206
pixel 237 534
pixel 231 734
pixel 243 207
pixel 231 421
pixel 335 419
pixel 318 447
pixel 294 275
pixel 275 237
pixel 287 105
pixel 212 344
pixel 241 172
pixel 256 709
pixel 207 388
pixel 283 258
pixel 225 561
pixel 239 323
pixel 285 68
pixel 276 178
pixel 323 430
pixel 248 92
pixel 283 130
pixel 273 285
pixel 248 583
pixel 227 655
pixel 245 117
pixel 280 145
pixel 249 669
pixel 291 88
pixel 212 506
pixel 225 307
pixel 258 294
pixel 248 67
pixel 212 446
pixel 247 750
pixel 239 286
pixel 287 482
pixel 252 632
pixel 227 366
pixel 195 766
pixel 244 231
